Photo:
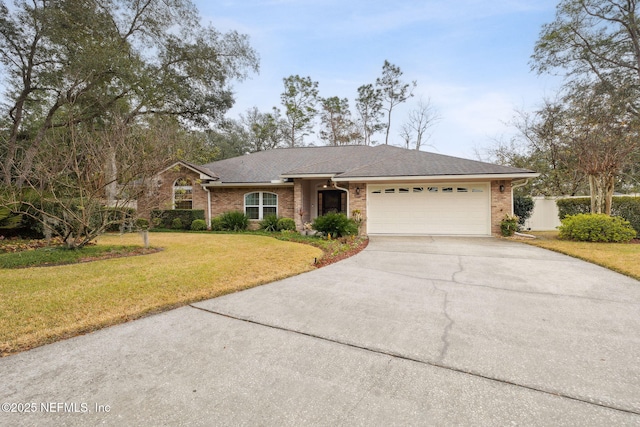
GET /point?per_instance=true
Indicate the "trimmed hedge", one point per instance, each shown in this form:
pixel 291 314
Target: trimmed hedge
pixel 575 206
pixel 596 228
pixel 165 218
pixel 625 207
pixel 198 225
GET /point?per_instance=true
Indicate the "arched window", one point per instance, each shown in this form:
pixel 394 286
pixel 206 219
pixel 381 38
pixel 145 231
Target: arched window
pixel 260 204
pixel 182 194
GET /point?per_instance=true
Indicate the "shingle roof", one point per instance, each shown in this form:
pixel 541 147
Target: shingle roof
pixel 345 162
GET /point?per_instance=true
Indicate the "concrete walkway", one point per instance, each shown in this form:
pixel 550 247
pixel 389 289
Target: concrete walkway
pixel 412 331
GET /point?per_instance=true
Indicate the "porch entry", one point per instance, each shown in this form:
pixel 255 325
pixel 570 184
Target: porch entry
pixel 331 201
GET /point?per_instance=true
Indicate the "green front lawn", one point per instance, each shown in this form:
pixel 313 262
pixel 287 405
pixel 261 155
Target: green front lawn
pixel 43 304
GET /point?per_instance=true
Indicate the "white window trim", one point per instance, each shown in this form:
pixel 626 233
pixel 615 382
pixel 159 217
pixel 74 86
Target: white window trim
pixel 260 204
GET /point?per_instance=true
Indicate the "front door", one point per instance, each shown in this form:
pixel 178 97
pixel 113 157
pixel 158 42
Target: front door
pixel 331 201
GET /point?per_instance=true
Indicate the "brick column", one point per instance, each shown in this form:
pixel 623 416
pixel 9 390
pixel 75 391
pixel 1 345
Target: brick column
pixel 298 203
pixel 501 204
pixel 359 202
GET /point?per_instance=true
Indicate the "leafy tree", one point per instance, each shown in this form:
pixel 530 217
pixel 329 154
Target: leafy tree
pixel 394 91
pixel 592 39
pixel 230 139
pixel 369 107
pixel 136 59
pixel 264 130
pixel 596 44
pixel 545 150
pixel 71 85
pixel 602 134
pixel 299 99
pixel 337 126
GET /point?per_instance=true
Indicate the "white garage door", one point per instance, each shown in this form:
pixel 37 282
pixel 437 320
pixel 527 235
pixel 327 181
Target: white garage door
pixel 429 209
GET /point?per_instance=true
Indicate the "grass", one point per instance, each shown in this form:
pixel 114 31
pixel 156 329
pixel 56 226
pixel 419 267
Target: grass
pixel 59 255
pixel 621 257
pixel 42 305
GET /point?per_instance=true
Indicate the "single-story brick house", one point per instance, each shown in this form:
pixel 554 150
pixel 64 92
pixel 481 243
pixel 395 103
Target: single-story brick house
pixel 397 191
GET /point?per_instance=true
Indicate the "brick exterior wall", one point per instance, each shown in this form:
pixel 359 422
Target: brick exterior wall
pixel 162 198
pixel 227 199
pixel 501 204
pixel 358 202
pixel 291 199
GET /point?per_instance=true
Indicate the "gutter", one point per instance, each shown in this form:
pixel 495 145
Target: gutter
pixel 437 177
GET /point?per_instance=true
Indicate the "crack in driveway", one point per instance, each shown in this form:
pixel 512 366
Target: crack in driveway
pixel 445 310
pixel 498 288
pixel 435 364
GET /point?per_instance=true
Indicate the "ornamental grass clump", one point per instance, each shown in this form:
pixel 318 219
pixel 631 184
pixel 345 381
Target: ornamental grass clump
pixel 596 228
pixel 335 225
pixel 234 221
pixel 269 223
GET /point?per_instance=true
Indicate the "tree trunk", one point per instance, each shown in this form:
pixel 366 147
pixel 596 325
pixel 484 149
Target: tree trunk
pixel 32 151
pixel 111 177
pixel 608 201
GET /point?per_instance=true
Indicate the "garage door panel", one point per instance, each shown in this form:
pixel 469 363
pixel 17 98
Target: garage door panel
pixel 412 209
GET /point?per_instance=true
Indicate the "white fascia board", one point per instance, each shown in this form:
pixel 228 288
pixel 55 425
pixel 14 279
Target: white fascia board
pixel 180 163
pixel 485 177
pixel 248 184
pixel 310 176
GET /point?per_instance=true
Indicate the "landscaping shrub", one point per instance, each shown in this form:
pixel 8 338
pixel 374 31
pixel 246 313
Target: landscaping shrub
pixel 234 221
pixel 176 224
pixel 509 225
pixel 335 224
pixel 216 223
pixel 522 207
pixel 625 207
pixel 269 223
pixel 120 219
pixel 596 228
pixel 164 218
pixel 199 225
pixel 629 209
pixel 141 224
pixel 286 224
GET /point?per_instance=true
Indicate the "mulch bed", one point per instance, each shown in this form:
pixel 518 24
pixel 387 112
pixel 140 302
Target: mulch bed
pixel 330 259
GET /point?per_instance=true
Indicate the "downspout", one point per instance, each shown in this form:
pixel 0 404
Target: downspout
pixel 208 206
pixel 526 181
pixel 348 198
pixel 514 186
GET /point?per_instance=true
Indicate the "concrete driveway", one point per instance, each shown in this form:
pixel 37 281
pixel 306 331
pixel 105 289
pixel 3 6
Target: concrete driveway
pixel 412 331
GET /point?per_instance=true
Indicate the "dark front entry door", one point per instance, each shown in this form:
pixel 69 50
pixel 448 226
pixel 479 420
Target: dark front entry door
pixel 332 201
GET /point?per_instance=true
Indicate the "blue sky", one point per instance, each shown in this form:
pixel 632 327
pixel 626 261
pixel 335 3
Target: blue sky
pixel 469 57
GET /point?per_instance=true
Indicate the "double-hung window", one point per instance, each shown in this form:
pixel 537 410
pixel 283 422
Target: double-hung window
pixel 183 194
pixel 260 204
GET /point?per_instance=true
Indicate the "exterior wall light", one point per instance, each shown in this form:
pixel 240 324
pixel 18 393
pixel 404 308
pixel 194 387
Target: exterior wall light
pixel 501 188
pixel 357 191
